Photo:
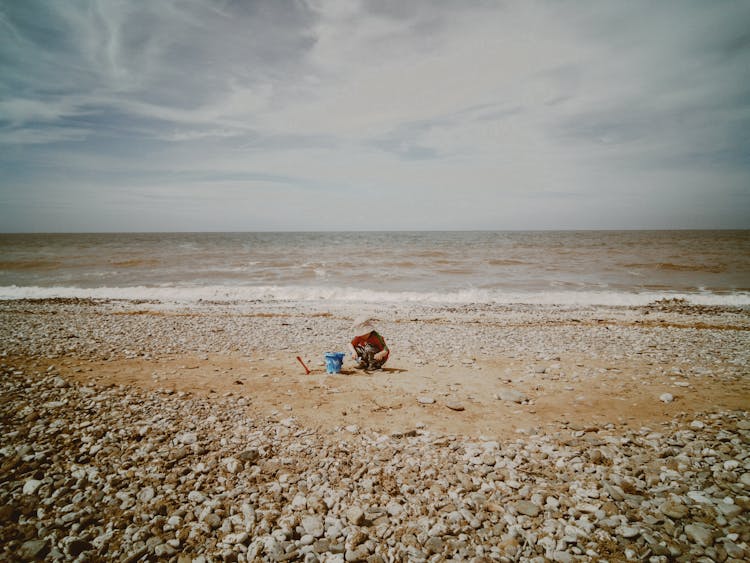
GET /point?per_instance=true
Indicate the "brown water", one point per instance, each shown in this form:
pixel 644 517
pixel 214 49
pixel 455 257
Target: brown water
pixel 536 266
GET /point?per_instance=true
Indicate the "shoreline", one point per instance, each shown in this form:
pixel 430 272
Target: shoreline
pixel 531 422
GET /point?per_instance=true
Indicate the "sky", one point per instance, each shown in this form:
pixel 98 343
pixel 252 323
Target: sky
pixel 279 115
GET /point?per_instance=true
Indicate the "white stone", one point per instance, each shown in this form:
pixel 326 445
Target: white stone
pixel 186 438
pixel 425 400
pixel 236 538
pixel 355 515
pixel 54 404
pixel 730 510
pixel 394 508
pixel 562 557
pixel 313 525
pixel 666 397
pixel 232 464
pixel 511 395
pixel 146 494
pixel 31 486
pixel 698 496
pixel 299 502
pixel 196 497
pixel 628 531
pixel 527 508
pixel 575 532
pixel 700 534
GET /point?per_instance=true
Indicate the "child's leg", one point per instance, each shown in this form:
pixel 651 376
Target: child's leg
pixel 366 357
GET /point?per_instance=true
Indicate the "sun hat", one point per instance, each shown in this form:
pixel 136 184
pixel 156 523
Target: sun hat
pixel 363 325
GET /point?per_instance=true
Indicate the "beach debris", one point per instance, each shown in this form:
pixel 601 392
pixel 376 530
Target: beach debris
pixel 307 371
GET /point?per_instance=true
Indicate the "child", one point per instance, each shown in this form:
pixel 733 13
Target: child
pixel 367 347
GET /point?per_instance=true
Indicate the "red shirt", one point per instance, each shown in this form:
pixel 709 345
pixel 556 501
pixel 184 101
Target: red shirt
pixel 374 340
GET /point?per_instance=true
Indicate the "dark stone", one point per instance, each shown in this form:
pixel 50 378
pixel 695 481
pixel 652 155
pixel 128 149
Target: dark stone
pixel 179 453
pixel 7 513
pixel 249 455
pixel 78 546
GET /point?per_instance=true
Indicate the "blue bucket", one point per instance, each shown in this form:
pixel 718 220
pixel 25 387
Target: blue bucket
pixel 334 361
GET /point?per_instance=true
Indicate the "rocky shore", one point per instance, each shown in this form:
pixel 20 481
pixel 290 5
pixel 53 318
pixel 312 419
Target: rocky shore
pixel 92 469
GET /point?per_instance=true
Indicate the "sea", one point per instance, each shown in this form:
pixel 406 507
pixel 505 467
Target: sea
pixel 531 267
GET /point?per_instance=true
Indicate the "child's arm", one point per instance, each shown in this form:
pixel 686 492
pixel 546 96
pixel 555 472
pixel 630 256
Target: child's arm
pixel 384 352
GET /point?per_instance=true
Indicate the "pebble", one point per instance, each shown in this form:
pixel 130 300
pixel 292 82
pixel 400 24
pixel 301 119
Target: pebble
pixel 32 550
pixel 629 531
pixel 425 400
pixel 31 486
pixel 187 438
pixel 212 520
pixel 232 465
pixel 394 508
pixel 355 515
pixel 666 397
pixel 197 497
pixel 511 395
pixel 700 533
pixel 674 509
pixel 527 508
pixel 313 525
pixel 140 475
pixel 146 495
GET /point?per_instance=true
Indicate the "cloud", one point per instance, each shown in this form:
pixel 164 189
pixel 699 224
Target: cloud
pixel 494 113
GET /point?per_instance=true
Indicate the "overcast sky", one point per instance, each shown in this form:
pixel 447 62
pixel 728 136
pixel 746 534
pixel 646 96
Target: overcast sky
pixel 194 115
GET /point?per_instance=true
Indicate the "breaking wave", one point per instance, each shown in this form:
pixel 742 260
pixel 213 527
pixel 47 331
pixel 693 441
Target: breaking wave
pixel 355 295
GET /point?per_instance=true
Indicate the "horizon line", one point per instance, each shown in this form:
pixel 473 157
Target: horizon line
pixel 333 231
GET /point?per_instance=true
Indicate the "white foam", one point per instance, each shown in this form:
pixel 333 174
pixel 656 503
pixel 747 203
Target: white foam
pixel 354 295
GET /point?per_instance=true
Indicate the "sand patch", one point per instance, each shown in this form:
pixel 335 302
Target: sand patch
pixel 570 394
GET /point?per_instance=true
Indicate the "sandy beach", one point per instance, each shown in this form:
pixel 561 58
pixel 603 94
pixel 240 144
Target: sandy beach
pixel 144 430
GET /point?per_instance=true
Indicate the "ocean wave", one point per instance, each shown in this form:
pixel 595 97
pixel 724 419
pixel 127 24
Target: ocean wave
pixel 136 263
pixel 355 295
pixel 506 262
pixel 671 267
pixel 11 265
